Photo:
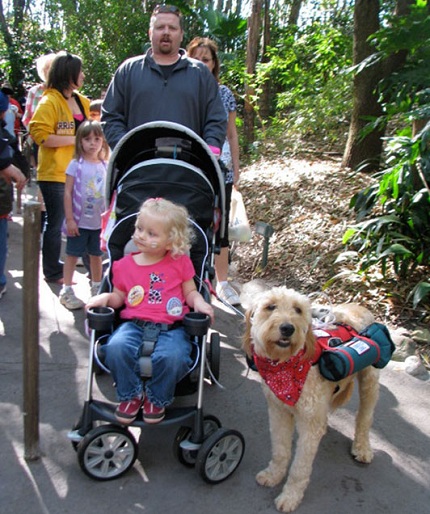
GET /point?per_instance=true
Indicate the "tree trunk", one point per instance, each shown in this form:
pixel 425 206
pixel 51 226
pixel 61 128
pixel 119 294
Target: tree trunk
pixel 254 27
pixel 293 16
pixel 265 99
pixel 366 151
pixel 365 102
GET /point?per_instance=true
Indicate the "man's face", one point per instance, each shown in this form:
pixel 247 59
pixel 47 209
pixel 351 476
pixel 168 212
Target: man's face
pixel 165 34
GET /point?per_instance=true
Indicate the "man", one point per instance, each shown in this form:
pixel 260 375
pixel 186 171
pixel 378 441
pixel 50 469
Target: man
pixel 8 173
pixel 164 84
pixel 15 108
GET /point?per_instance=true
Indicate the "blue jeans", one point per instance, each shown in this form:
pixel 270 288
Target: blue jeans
pixel 53 196
pixel 3 250
pixel 171 361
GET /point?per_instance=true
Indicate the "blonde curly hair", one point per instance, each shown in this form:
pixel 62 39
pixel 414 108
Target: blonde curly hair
pixel 175 219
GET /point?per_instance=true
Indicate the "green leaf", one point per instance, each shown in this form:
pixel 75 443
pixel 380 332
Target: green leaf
pixel 420 291
pixel 396 249
pixel 346 257
pixel 348 234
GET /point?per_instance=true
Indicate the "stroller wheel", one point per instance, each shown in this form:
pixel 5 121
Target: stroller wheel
pixel 220 455
pixel 188 457
pixel 107 452
pixel 214 355
pixel 184 456
pixel 210 425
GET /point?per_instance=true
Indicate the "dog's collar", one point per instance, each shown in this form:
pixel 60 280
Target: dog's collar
pixel 285 379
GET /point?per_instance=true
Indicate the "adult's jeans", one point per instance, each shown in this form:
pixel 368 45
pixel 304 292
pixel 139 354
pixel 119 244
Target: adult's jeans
pixel 53 196
pixel 3 249
pixel 170 359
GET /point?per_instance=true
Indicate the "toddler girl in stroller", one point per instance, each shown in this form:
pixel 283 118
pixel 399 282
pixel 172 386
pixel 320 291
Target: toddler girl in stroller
pixel 156 289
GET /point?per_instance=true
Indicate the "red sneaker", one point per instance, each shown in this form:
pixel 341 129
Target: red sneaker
pixel 152 413
pixel 127 410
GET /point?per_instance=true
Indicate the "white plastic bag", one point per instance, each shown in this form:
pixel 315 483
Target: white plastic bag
pixel 108 223
pixel 238 227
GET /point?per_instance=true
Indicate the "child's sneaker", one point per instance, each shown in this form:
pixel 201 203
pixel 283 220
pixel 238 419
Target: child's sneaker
pixel 3 290
pixel 95 290
pixel 127 410
pixel 152 413
pixel 69 300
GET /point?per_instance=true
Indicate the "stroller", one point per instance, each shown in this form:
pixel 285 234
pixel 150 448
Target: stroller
pixel 161 159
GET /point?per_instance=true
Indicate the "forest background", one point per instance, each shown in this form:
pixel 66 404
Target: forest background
pixel 325 79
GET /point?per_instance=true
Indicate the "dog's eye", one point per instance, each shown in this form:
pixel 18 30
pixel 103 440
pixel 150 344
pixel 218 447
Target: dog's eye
pixel 271 307
pixel 298 310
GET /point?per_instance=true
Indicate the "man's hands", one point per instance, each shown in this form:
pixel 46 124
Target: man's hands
pixel 14 174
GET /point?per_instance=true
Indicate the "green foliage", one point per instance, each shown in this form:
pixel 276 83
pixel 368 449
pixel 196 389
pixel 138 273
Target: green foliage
pixel 399 237
pixel 228 30
pixel 311 92
pixel 419 293
pixel 403 93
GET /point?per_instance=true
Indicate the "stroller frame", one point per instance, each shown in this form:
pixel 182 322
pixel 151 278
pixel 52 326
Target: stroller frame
pixel 107 449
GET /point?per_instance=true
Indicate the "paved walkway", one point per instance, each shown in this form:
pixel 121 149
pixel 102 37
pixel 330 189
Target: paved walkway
pixel 396 482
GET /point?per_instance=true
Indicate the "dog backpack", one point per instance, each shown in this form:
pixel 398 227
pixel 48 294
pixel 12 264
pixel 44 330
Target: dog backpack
pixel 345 351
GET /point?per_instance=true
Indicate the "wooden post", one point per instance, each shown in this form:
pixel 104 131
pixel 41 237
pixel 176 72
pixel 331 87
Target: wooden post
pixel 30 333
pixel 267 231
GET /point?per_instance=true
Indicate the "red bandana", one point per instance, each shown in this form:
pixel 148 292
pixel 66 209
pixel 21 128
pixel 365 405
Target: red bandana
pixel 285 379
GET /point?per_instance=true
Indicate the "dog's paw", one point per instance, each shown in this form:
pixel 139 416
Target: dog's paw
pixel 362 453
pixel 268 478
pixel 287 502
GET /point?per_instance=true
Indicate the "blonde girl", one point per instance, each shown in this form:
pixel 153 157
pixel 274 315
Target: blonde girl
pixel 155 287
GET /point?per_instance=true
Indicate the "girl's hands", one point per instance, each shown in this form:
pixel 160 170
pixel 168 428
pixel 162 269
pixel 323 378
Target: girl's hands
pixel 72 228
pixel 100 300
pixel 205 308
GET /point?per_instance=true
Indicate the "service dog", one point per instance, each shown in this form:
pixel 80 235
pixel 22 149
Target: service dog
pixel 279 334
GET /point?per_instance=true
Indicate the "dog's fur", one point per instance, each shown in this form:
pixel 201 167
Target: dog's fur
pixel 266 320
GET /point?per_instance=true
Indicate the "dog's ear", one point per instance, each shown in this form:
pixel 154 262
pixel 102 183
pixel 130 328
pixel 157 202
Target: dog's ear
pixel 247 341
pixel 310 343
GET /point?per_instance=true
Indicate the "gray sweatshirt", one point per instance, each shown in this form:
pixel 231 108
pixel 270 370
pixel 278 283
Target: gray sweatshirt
pixel 139 93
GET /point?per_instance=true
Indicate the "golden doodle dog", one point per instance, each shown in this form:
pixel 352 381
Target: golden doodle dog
pixel 279 329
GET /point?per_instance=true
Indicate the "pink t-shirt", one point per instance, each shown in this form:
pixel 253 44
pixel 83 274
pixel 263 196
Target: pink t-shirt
pixel 153 293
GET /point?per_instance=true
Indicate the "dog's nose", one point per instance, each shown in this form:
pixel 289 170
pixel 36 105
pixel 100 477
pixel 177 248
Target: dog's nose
pixel 286 329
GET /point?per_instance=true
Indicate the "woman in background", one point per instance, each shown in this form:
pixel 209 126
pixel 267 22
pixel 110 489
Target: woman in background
pixel 206 51
pixel 53 127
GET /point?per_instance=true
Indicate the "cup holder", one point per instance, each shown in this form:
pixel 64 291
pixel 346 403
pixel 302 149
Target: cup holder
pixel 100 318
pixel 196 323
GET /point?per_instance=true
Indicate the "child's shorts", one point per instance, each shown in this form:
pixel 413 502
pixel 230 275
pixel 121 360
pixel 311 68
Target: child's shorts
pixel 88 242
